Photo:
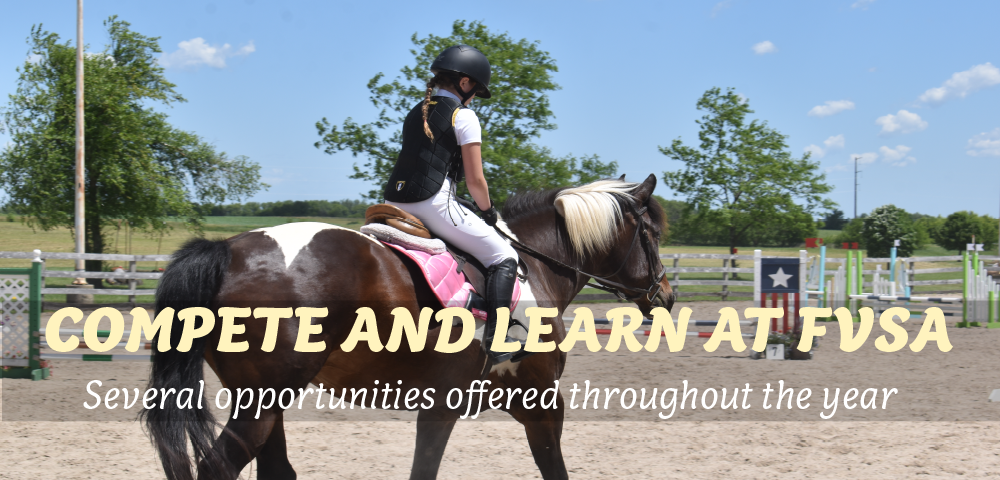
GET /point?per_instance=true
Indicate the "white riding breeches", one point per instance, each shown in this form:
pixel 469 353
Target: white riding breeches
pixel 455 224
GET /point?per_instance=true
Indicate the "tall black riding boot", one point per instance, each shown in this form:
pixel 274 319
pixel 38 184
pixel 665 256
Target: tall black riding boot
pixel 499 289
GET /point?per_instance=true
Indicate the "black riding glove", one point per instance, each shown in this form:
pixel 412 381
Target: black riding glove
pixel 490 215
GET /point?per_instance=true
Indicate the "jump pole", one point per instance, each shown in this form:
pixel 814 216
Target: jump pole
pixel 850 275
pixel 991 321
pixel 822 274
pixel 803 259
pixel 965 291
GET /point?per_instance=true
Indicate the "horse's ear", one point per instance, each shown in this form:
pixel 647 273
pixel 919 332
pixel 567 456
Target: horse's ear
pixel 622 178
pixel 645 189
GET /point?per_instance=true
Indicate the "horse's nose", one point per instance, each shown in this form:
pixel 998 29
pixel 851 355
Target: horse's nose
pixel 665 299
pixel 670 301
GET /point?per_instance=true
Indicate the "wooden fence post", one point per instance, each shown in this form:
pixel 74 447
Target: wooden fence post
pixel 677 275
pixel 132 267
pixel 725 277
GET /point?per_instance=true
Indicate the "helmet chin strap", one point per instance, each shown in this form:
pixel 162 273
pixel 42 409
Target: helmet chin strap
pixel 465 96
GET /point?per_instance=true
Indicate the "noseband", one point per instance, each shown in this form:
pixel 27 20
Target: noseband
pixel 652 258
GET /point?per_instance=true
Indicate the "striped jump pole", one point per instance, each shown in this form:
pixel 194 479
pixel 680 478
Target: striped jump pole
pixel 97 357
pixel 607 331
pixel 83 345
pixel 691 323
pixel 146 345
pixel 900 298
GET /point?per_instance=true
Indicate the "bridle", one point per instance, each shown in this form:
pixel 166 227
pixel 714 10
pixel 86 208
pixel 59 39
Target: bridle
pixel 652 258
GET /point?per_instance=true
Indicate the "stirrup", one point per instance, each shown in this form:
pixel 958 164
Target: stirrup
pixel 514 357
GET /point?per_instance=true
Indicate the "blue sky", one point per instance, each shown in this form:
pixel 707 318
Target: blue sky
pixel 911 86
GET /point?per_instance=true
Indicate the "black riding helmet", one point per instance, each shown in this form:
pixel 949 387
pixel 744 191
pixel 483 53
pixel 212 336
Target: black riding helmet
pixel 467 61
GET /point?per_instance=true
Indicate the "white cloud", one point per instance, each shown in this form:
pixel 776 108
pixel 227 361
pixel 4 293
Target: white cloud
pixel 835 142
pixel 897 156
pixel 986 144
pixel 719 7
pixel 864 158
pixel 902 122
pixel 840 167
pixel 862 4
pixel 195 52
pixel 963 83
pixel 764 47
pixel 831 107
pixel 33 58
pixel 815 150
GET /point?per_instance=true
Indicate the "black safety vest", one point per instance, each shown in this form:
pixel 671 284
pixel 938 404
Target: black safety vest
pixel 423 164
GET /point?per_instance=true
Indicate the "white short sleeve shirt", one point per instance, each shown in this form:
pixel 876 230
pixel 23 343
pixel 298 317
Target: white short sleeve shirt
pixel 467 128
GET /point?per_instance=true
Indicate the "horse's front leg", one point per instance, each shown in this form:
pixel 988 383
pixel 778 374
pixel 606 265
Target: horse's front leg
pixel 433 430
pixel 544 430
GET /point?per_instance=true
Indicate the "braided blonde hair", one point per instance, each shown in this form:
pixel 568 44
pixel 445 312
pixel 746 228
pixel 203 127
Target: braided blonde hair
pixel 442 79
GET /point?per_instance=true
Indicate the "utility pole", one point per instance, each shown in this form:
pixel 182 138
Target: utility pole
pixel 80 228
pixel 856 186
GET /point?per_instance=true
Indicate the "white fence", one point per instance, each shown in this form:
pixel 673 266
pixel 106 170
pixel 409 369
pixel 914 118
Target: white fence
pixel 131 276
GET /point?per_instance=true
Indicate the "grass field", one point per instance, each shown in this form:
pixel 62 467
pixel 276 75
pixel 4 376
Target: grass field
pixel 15 236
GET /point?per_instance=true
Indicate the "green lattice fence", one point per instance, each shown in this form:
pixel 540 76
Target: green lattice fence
pixel 20 314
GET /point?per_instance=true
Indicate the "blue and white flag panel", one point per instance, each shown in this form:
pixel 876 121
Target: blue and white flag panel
pixel 779 275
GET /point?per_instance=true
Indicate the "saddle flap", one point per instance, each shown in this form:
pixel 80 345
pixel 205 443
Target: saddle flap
pixel 397 218
pixel 475 272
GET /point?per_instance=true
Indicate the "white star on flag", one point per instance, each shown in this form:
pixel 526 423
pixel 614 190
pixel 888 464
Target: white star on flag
pixel 780 279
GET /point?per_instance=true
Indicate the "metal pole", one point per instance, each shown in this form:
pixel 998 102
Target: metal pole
pixel 856 186
pixel 80 228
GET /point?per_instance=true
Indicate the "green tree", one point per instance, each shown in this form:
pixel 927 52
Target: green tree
pixel 926 227
pixel 851 233
pixel 883 227
pixel 742 177
pixel 834 220
pixel 958 229
pixel 516 115
pixel 674 210
pixel 138 167
pixel 988 232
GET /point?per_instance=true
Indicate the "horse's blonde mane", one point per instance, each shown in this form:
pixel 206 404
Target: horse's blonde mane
pixel 592 212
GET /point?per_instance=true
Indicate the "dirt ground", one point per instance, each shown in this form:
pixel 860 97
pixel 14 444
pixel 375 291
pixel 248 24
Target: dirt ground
pixel 939 425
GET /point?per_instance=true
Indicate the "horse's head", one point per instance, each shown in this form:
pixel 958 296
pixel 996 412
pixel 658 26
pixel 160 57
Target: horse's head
pixel 616 225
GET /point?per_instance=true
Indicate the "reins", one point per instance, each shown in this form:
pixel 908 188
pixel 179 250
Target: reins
pixel 615 287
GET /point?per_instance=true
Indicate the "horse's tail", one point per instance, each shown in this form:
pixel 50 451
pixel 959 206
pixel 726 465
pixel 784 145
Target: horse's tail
pixel 192 279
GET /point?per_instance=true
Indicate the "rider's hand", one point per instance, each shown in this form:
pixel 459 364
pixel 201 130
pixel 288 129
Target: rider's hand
pixel 490 215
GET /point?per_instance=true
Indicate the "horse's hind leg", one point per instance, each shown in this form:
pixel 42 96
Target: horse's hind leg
pixel 433 430
pixel 272 460
pixel 243 440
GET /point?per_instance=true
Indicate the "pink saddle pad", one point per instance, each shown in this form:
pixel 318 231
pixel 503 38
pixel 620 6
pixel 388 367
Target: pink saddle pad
pixel 448 284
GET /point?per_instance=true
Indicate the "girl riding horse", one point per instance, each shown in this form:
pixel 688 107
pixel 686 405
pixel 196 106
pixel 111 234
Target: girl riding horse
pixel 442 140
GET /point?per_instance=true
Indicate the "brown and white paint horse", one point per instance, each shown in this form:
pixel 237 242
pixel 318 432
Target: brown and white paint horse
pixel 593 228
